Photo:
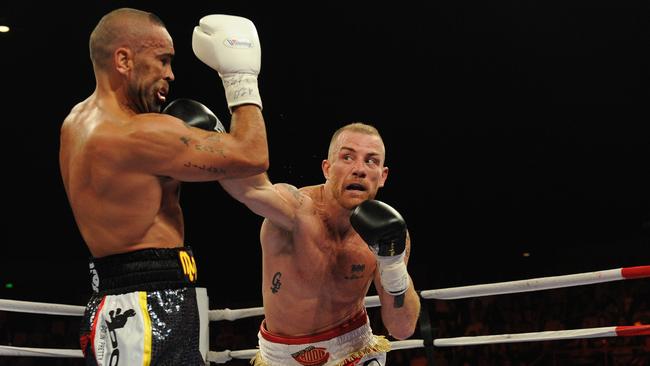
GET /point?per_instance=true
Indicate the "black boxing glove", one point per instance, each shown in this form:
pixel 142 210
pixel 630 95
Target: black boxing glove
pixel 384 230
pixel 194 114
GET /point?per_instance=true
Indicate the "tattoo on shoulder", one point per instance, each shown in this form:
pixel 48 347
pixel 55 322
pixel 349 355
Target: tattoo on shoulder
pixel 356 271
pixel 295 192
pixel 276 282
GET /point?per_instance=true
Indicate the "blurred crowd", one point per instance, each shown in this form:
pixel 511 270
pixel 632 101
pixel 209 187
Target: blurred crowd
pixel 591 306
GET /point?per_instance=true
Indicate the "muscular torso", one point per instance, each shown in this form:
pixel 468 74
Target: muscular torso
pixel 313 277
pixel 118 207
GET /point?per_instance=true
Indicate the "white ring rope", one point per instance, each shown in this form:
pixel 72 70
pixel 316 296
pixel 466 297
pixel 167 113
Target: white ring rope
pixel 39 352
pixel 76 310
pixel 229 314
pixel 41 308
pixel 534 284
pixel 227 355
pixel 551 335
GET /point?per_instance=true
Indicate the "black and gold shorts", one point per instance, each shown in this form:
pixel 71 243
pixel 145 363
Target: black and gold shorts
pixel 146 309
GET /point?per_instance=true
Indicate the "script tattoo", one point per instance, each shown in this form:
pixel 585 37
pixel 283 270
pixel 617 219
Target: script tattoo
pixel 214 137
pixel 207 168
pixel 276 282
pixel 209 149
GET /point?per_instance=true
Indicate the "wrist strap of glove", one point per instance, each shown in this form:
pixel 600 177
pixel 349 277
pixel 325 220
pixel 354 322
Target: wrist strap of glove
pixel 241 89
pixel 393 273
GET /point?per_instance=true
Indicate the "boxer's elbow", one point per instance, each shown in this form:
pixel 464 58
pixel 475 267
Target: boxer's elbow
pixel 402 330
pixel 253 163
pixel 259 161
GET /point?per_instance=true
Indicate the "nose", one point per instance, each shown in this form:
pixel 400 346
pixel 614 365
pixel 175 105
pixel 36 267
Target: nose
pixel 169 75
pixel 359 169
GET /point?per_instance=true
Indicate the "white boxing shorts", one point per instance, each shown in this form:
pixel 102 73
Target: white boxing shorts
pixel 351 343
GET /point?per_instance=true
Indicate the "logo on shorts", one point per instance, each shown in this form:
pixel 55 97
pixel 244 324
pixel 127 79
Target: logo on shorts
pixel 311 356
pixel 118 321
pixel 94 282
pixel 189 265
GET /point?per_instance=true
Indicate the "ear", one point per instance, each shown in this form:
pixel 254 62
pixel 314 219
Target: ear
pixel 325 166
pixel 384 175
pixel 123 58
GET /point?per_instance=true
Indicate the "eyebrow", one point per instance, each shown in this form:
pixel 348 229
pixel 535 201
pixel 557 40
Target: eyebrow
pixel 353 150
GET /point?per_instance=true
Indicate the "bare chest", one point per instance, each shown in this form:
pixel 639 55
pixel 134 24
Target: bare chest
pixel 345 266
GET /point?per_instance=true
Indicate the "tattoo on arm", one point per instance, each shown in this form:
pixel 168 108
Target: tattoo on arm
pixel 276 282
pixel 209 149
pixel 207 168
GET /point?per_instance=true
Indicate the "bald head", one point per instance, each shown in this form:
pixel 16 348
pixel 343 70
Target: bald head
pixel 123 27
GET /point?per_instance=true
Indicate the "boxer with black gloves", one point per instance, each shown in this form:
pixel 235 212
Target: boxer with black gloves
pixel 122 163
pixel 384 230
pixel 317 269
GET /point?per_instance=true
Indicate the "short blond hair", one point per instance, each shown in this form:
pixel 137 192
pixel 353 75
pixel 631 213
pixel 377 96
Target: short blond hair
pixel 359 127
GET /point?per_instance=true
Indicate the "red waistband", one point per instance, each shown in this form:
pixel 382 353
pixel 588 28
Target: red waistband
pixel 349 325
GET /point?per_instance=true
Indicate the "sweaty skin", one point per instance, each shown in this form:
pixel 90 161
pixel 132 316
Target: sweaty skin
pixel 316 269
pixel 122 161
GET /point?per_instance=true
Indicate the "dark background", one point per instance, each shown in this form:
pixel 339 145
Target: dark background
pixel 511 127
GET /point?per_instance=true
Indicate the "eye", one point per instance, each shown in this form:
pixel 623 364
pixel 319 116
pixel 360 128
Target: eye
pixel 166 60
pixel 372 161
pixel 347 157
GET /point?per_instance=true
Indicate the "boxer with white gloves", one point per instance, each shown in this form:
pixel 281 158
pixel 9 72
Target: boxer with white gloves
pixel 122 163
pixel 230 45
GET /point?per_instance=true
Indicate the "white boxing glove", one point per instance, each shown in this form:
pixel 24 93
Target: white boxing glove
pixel 230 45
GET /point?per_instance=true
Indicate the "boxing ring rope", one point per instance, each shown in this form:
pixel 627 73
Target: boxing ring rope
pixel 509 287
pixel 536 284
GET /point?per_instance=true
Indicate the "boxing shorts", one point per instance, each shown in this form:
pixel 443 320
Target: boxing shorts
pixel 146 309
pixel 351 343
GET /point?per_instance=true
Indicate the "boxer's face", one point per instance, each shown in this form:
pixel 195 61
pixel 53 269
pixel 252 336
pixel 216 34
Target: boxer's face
pixel 152 73
pixel 356 170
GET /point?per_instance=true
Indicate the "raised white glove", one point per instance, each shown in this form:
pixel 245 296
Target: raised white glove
pixel 230 45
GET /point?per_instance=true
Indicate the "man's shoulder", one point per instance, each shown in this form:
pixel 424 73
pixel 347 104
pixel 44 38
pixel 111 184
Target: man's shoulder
pixel 311 191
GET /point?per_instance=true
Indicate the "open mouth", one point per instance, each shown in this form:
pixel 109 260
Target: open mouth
pixel 161 95
pixel 355 187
